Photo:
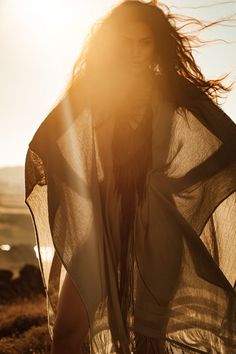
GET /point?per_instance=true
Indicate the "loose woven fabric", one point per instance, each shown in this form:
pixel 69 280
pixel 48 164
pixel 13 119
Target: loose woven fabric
pixel 180 252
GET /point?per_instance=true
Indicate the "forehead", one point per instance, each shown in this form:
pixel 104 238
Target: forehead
pixel 136 30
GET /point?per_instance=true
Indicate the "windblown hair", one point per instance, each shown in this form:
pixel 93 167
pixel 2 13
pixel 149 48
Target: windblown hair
pixel 98 69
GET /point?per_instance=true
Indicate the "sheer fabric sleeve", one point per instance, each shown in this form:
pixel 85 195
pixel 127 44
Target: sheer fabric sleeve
pixel 62 195
pixel 189 220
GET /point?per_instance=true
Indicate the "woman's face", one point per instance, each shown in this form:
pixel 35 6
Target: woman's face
pixel 137 47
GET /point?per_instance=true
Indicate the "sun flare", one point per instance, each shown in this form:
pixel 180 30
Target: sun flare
pixel 47 18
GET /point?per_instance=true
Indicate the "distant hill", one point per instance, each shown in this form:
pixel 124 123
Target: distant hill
pixel 12 180
pixel 12 187
pixel 16 229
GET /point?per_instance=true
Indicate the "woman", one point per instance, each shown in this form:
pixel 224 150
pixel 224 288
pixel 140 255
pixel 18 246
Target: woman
pixel 131 183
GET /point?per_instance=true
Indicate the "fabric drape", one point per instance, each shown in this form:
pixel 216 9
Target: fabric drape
pixel 181 256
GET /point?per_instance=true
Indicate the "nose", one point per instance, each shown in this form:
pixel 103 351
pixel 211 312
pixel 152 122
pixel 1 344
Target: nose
pixel 136 51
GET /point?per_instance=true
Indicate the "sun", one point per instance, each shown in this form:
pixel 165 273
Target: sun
pixel 50 17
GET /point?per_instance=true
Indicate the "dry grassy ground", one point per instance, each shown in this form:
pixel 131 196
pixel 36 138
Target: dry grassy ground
pixel 23 322
pixel 23 327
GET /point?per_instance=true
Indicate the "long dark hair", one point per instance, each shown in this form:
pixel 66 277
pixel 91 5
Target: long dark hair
pixel 97 70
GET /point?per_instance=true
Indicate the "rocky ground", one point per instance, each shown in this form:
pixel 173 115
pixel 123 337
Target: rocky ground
pixel 23 319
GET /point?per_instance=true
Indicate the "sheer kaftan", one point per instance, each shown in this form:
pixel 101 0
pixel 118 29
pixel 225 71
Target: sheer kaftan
pixel 183 244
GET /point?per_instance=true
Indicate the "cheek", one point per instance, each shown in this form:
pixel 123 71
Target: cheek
pixel 123 54
pixel 148 53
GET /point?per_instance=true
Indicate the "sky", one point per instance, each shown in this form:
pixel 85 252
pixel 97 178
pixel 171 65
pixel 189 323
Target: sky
pixel 40 41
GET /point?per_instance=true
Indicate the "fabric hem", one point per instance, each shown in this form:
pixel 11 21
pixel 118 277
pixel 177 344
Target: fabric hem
pixel 42 273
